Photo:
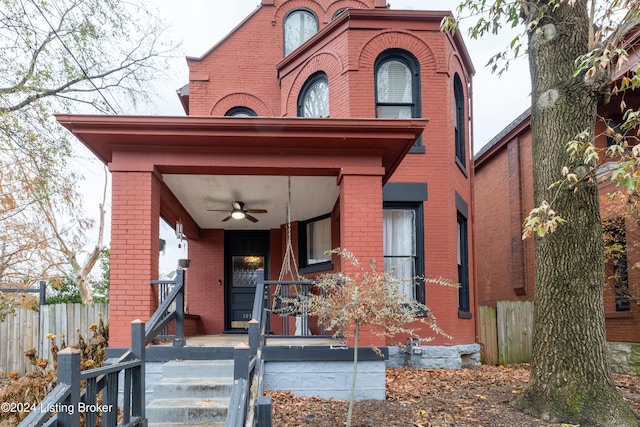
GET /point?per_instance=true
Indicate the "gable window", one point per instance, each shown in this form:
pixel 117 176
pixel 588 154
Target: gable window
pixel 314 97
pixel 459 122
pixel 403 254
pixel 397 87
pixel 299 26
pixel 240 112
pixel 314 242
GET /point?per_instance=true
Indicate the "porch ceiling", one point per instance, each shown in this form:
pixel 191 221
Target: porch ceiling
pixel 311 196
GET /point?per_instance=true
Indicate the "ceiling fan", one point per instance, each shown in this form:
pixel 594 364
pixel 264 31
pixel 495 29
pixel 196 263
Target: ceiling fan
pixel 239 212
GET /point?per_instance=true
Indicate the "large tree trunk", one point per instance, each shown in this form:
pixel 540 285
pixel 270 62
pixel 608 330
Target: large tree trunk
pixel 571 379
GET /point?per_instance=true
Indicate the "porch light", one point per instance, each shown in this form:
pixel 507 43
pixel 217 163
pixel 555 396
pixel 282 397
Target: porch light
pixel 237 214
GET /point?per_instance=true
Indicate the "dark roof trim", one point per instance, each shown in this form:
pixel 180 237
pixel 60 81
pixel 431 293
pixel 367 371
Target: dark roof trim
pixel 515 127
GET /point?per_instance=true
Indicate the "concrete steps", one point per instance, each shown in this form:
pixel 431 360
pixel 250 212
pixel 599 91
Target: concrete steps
pixel 192 393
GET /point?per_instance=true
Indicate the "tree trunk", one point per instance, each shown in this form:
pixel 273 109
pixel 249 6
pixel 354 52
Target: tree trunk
pixel 571 378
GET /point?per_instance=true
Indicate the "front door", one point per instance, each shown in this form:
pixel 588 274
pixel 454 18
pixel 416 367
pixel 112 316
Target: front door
pixel 245 253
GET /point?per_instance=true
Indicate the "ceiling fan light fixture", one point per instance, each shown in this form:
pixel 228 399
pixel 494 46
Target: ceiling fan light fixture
pixel 237 214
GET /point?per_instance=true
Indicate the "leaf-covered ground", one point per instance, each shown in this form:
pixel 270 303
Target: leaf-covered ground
pixel 433 398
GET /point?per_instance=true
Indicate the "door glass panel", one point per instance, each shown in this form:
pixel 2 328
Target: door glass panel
pixel 245 271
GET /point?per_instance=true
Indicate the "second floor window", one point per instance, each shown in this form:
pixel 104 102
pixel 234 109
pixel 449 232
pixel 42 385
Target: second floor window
pixel 459 121
pixel 314 97
pixel 299 26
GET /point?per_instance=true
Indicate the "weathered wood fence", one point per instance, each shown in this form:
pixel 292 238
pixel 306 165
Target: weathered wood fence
pixel 506 332
pixel 28 329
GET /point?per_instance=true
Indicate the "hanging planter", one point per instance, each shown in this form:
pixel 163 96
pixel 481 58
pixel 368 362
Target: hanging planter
pixel 183 263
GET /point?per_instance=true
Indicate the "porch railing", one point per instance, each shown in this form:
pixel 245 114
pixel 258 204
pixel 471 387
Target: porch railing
pixel 67 402
pixel 249 406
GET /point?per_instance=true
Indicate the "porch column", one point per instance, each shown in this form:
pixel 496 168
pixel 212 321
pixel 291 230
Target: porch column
pixel 361 227
pixel 135 216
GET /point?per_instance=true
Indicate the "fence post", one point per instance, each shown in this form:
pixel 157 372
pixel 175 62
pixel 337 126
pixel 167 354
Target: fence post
pixel 138 388
pixel 241 361
pixel 254 336
pixel 264 411
pixel 43 292
pixel 179 340
pixel 69 373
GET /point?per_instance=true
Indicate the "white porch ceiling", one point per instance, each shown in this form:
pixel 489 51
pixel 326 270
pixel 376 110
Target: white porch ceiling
pixel 310 197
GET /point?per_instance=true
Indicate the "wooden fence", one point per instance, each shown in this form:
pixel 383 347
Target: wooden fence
pixel 28 329
pixel 506 332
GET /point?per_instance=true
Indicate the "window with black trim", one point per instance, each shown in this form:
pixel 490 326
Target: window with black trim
pixel 397 87
pixel 299 26
pixel 464 306
pixel 240 112
pixel 339 12
pixel 459 121
pixel 403 231
pixel 313 100
pixel 314 238
pixel 615 243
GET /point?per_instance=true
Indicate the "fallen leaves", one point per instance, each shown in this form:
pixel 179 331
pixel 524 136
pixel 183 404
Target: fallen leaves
pixel 478 397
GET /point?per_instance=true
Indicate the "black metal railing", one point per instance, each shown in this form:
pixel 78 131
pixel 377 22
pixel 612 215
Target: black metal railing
pixel 67 401
pixel 170 307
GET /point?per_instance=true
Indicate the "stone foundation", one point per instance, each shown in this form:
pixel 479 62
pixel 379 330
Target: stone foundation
pixel 625 357
pixel 437 357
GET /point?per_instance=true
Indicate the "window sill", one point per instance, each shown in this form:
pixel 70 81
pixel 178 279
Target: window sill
pixel 464 314
pixel 316 268
pixel 462 168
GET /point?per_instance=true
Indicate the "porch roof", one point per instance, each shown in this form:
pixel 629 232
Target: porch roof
pixel 388 139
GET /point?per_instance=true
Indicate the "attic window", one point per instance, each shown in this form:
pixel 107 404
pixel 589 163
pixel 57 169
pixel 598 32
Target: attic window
pixel 299 26
pixel 240 112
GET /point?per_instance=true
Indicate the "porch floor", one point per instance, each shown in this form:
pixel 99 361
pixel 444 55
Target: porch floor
pixel 232 340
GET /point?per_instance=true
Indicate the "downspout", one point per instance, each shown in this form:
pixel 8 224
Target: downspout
pixel 473 218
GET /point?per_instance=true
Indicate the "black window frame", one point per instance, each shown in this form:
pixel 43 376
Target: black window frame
pixel 412 63
pixel 306 88
pixel 339 12
pixel 459 123
pixel 303 256
pixel 419 262
pixel 234 111
pixel 284 27
pixel 462 258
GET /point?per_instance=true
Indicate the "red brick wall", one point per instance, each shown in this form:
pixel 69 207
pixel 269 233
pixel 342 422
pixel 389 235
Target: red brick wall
pixel 135 214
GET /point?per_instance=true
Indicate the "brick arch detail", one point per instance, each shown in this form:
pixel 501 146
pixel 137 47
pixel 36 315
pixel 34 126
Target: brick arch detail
pixel 241 100
pixel 339 4
pixel 327 62
pixel 393 39
pixel 457 66
pixel 286 7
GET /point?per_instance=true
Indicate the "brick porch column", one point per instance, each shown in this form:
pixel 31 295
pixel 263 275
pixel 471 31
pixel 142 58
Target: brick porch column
pixel 135 216
pixel 361 227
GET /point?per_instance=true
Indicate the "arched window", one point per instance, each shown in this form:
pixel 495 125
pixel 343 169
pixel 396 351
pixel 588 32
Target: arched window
pixel 339 12
pixel 458 94
pixel 397 80
pixel 299 26
pixel 240 112
pixel 313 100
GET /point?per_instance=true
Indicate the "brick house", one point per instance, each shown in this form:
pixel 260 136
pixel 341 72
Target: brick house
pixel 504 197
pixel 367 109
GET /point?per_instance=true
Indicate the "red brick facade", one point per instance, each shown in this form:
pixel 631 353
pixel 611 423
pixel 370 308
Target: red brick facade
pixel 504 191
pixel 248 69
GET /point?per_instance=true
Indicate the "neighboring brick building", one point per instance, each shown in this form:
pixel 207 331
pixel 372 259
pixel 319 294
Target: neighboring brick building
pixel 367 79
pixel 504 197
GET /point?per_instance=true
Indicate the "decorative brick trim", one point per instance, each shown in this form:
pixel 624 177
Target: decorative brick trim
pixel 241 100
pixel 392 39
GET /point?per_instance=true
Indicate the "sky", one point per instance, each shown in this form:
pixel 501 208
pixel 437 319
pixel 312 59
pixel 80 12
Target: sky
pixel 200 24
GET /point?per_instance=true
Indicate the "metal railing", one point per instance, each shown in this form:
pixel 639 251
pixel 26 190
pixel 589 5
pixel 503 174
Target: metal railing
pixel 67 402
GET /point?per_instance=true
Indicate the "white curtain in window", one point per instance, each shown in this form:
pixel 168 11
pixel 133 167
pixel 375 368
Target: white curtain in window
pixel 318 241
pixel 400 247
pixel 395 83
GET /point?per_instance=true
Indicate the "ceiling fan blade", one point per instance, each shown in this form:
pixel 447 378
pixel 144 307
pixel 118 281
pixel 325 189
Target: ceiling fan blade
pixel 250 218
pixel 227 218
pixel 256 211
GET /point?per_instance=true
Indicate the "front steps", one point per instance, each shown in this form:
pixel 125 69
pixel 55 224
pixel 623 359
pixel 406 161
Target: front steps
pixel 193 393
